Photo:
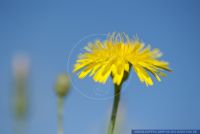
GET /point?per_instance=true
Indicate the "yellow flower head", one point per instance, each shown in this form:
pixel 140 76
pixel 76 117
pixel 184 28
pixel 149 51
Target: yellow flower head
pixel 115 56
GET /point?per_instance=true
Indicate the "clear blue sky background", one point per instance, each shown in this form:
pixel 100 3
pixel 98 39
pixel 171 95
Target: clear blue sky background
pixel 48 29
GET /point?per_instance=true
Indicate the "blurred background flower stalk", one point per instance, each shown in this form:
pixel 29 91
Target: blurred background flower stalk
pixel 21 75
pixel 62 89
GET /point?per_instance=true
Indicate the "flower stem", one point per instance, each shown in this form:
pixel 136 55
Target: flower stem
pixel 115 108
pixel 60 115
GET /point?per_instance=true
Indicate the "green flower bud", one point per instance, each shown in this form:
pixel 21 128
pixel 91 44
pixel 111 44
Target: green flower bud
pixel 62 85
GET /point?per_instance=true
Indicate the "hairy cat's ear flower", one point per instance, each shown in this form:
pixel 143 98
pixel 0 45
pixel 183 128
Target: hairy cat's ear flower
pixel 62 85
pixel 115 56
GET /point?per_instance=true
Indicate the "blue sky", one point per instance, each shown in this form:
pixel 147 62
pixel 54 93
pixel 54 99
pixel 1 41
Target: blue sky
pixel 47 30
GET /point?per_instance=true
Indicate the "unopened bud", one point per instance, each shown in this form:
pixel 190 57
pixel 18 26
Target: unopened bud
pixel 62 85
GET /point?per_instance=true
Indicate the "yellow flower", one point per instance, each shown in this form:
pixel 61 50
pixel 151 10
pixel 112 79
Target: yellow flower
pixel 115 56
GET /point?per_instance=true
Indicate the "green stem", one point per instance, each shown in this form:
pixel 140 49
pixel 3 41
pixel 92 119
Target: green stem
pixel 60 115
pixel 115 108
